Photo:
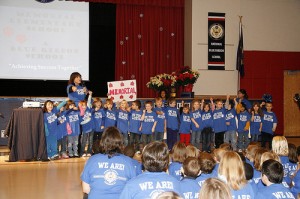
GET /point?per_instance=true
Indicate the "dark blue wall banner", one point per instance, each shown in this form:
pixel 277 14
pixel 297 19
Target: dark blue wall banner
pixel 216 41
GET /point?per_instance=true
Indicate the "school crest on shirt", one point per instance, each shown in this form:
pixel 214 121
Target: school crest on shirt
pixel 110 177
pixel 154 194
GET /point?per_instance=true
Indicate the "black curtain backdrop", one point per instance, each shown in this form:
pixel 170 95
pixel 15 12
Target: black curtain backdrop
pixel 101 60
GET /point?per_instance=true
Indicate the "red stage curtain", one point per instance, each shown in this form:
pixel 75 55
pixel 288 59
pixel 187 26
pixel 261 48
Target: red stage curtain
pixel 149 39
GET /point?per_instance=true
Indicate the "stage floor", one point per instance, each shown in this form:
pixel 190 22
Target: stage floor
pixel 36 180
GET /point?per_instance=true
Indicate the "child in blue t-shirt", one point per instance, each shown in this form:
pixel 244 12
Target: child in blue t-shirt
pixel 62 136
pixel 87 126
pixel 51 127
pixel 272 176
pixel 255 124
pixel 208 136
pixel 189 187
pixel 219 122
pixel 123 114
pixel 230 134
pixel 98 116
pixel 110 114
pixel 207 165
pixel 148 123
pixel 243 126
pixel 269 124
pixel 172 119
pixel 196 124
pixel 73 128
pixel 154 180
pixel 161 119
pixel 178 157
pixel 135 122
pixel 185 125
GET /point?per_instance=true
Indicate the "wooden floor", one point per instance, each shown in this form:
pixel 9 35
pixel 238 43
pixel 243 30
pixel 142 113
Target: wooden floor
pixel 40 180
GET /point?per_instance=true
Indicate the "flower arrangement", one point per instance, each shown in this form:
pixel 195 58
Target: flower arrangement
pixel 162 82
pixel 186 76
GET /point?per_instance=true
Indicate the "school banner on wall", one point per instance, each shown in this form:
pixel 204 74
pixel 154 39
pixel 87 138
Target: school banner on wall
pixel 122 90
pixel 216 41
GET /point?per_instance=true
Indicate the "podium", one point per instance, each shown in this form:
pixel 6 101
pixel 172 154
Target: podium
pixel 26 135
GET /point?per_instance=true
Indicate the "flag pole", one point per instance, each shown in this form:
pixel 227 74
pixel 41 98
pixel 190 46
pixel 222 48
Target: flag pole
pixel 239 75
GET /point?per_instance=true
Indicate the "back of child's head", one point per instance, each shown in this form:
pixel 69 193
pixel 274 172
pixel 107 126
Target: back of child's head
pixel 179 152
pixel 218 154
pixel 293 158
pixel 280 146
pixel 268 156
pixel 191 167
pixel 155 157
pixel 168 195
pixel 129 151
pixel 226 146
pixel 232 169
pixel 248 171
pixel 215 188
pixel 250 152
pixel 257 158
pixel 192 151
pixel 207 163
pixel 273 170
pixel 137 103
pixel 69 103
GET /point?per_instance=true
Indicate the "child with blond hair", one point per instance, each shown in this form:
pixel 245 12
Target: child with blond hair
pixel 161 120
pixel 281 148
pixel 196 123
pixel 122 120
pixel 192 151
pixel 215 188
pixel 231 171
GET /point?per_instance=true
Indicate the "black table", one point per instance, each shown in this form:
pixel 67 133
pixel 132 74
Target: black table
pixel 26 133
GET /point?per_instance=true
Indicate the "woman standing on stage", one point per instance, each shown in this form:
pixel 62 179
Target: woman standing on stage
pixel 76 89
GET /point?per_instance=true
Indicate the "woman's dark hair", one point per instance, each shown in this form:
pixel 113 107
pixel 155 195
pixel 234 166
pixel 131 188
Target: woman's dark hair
pixel 73 76
pixel 244 92
pixel 111 141
pixel 155 157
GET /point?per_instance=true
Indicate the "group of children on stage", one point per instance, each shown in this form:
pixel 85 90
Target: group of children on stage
pixel 204 125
